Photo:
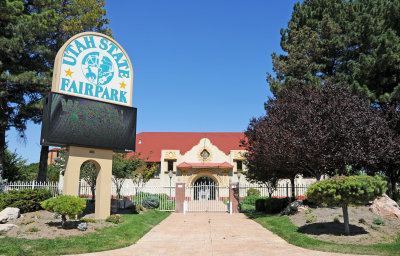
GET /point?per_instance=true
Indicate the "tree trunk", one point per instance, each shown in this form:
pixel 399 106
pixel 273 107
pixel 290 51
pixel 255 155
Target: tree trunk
pixel 2 150
pixel 346 219
pixel 93 193
pixel 63 220
pixel 318 176
pixel 44 153
pixel 292 184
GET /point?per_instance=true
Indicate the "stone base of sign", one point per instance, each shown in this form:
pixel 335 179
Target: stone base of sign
pixel 103 161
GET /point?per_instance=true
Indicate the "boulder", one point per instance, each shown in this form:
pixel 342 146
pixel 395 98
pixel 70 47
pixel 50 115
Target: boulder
pixel 7 227
pixel 8 214
pixel 384 206
pixel 296 204
pixel 302 208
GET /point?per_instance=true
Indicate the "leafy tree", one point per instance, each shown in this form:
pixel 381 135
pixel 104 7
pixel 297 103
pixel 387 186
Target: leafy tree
pixel 66 206
pixel 313 130
pixel 124 168
pixel 344 190
pixel 13 163
pixel 89 174
pixel 144 173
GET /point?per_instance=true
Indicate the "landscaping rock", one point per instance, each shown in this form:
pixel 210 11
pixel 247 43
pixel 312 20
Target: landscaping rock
pixel 295 205
pixel 384 206
pixel 8 214
pixel 7 227
pixel 302 208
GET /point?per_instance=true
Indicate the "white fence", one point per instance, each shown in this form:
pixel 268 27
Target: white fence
pixel 52 186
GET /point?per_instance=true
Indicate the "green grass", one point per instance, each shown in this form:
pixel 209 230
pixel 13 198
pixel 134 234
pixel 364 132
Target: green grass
pixel 283 227
pixel 122 235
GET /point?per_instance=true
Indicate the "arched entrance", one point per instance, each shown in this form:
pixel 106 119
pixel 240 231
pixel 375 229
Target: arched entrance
pixel 204 189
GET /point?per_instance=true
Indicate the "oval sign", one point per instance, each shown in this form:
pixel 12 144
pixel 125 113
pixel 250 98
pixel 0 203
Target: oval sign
pixel 93 65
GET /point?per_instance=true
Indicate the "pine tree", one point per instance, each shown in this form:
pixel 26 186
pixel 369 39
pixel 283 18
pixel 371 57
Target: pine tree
pixel 31 32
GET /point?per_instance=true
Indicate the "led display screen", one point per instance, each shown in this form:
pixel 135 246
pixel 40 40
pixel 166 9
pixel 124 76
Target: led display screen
pixel 75 121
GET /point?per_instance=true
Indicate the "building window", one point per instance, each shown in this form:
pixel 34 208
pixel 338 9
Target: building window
pixel 239 165
pixel 170 165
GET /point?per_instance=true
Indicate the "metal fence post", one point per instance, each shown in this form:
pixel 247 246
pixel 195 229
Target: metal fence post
pixel 287 189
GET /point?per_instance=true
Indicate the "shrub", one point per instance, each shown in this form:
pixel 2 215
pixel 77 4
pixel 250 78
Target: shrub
pixel 345 190
pixel 137 209
pixel 260 205
pixel 276 205
pixel 27 200
pixel 114 219
pixel 65 205
pixel 32 230
pixel 87 220
pixel 378 221
pixel 310 216
pixel 336 220
pixel 151 202
pixel 253 192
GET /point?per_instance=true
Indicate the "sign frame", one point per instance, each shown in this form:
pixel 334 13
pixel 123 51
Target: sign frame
pixel 57 72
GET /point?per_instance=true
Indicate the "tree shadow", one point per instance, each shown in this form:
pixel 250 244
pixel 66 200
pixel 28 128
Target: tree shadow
pixel 330 228
pixel 70 224
pixel 255 215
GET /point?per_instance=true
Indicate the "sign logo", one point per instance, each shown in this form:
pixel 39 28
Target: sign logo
pixel 92 65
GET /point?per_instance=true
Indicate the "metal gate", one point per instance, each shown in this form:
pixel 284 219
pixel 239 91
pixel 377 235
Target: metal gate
pixel 206 198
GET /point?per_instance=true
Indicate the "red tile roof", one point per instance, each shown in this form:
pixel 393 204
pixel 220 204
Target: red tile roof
pixel 154 142
pixel 201 165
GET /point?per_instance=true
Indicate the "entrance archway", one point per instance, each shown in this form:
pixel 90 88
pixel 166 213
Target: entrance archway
pixel 204 189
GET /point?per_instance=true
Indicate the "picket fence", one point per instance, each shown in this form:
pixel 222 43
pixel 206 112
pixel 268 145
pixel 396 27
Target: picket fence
pixel 54 187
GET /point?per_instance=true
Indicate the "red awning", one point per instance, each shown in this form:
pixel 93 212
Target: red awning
pixel 223 165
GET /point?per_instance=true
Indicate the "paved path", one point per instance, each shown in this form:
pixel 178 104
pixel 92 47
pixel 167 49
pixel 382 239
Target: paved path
pixel 211 234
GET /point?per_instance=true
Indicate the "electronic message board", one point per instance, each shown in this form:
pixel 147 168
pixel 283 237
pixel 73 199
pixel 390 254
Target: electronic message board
pixel 76 121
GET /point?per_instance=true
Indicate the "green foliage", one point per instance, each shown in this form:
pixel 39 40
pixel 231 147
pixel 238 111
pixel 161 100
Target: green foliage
pixel 137 209
pixel 253 192
pixel 27 200
pixel 116 219
pixel 151 202
pixel 378 221
pixel 65 205
pixel 276 205
pixel 252 199
pixel 310 216
pixel 375 228
pixel 87 220
pixel 336 220
pixel 32 230
pixel 260 205
pixel 343 190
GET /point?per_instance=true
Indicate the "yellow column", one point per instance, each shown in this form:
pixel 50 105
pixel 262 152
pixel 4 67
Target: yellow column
pixel 103 161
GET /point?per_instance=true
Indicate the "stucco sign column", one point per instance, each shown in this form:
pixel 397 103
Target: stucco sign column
pixel 92 86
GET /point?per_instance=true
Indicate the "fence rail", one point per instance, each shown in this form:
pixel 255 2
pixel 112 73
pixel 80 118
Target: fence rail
pixel 52 186
pixel 248 199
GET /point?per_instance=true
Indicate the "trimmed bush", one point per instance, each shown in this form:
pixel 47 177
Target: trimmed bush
pixel 345 190
pixel 276 205
pixel 66 206
pixel 252 199
pixel 260 205
pixel 150 202
pixel 27 200
pixel 253 192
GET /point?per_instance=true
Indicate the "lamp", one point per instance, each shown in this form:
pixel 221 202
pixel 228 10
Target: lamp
pixel 170 174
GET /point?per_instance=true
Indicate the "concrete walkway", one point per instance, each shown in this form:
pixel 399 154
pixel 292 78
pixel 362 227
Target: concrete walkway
pixel 211 234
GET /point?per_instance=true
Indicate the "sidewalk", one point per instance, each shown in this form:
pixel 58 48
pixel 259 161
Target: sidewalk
pixel 211 234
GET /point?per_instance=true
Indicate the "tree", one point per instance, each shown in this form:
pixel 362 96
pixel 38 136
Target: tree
pixel 144 173
pixel 314 130
pixel 344 190
pixel 89 174
pixel 123 167
pixel 352 41
pixel 13 163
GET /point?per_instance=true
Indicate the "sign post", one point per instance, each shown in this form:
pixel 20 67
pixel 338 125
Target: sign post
pixel 90 110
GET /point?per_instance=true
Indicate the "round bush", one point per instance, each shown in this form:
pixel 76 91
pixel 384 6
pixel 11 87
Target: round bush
pixel 151 202
pixel 253 192
pixel 65 205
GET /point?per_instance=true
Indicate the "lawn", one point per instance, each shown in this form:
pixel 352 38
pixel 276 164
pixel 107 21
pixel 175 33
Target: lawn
pixel 283 227
pixel 122 235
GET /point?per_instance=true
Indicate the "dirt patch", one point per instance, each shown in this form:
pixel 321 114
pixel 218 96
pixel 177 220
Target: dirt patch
pixel 43 224
pixel 325 228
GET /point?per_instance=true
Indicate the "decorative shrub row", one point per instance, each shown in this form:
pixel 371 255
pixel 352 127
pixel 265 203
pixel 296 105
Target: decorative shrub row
pixel 27 200
pixel 252 199
pixel 271 205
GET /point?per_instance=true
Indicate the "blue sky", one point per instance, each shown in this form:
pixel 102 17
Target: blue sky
pixel 198 65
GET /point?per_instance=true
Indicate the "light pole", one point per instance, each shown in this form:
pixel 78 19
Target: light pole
pixel 170 178
pixel 239 174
